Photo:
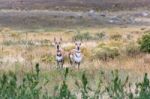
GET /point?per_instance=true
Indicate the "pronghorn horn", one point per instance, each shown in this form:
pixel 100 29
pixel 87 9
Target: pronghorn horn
pixel 54 39
pixel 60 39
pixel 75 39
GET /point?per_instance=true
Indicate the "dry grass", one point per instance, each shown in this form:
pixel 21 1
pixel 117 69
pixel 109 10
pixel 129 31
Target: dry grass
pixel 33 53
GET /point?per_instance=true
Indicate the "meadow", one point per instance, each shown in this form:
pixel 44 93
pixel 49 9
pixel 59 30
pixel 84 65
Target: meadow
pixel 114 67
pixel 116 54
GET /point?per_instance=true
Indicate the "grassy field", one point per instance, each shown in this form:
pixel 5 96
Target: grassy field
pixel 32 47
pixel 110 46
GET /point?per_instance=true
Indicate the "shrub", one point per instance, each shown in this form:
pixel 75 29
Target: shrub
pixel 106 53
pixel 86 52
pixel 62 90
pixel 132 49
pixel 116 88
pixel 32 86
pixel 145 43
pixel 99 36
pixel 82 36
pixel 48 59
pixel 144 88
pixel 69 48
pixel 116 37
pixel 83 86
pixel 29 87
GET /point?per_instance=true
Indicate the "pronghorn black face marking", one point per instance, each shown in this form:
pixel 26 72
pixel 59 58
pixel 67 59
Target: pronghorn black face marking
pixel 59 54
pixel 76 55
pixel 78 45
pixel 57 43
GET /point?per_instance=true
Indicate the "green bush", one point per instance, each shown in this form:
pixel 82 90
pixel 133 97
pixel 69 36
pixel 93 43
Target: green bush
pixel 62 90
pixel 99 36
pixel 116 37
pixel 106 53
pixel 116 88
pixel 48 59
pixel 82 36
pixel 132 49
pixel 28 88
pixel 145 43
pixel 143 88
pixel 31 86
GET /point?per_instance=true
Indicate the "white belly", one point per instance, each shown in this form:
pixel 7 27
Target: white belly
pixel 59 58
pixel 77 58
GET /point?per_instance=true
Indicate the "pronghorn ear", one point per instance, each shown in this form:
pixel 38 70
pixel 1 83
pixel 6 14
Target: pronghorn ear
pixel 54 39
pixel 80 43
pixel 74 40
pixel 61 39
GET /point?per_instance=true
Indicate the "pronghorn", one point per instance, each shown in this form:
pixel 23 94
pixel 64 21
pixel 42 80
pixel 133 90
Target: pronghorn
pixel 59 53
pixel 75 55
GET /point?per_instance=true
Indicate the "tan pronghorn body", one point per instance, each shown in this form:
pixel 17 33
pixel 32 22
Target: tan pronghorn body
pixel 75 55
pixel 59 53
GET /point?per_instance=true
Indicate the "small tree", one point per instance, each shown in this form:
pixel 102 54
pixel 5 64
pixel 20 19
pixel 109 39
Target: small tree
pixel 145 43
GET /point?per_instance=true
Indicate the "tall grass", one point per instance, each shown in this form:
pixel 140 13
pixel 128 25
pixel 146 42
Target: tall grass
pixel 30 86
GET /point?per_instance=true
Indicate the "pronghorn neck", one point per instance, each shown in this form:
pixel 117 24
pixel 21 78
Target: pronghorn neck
pixel 77 51
pixel 59 53
pixel 59 56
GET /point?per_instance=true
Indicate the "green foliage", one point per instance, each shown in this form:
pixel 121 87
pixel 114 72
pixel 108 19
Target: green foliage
pixel 99 36
pixel 30 86
pixel 62 90
pixel 116 87
pixel 116 37
pixel 83 36
pixel 145 43
pixel 87 91
pixel 48 59
pixel 106 53
pixel 144 88
pixel 83 87
pixel 87 36
pixel 132 49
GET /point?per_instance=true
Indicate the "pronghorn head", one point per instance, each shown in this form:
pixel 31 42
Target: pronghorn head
pixel 57 43
pixel 78 45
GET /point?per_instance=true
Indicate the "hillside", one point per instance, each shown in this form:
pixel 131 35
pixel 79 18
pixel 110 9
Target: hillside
pixel 74 4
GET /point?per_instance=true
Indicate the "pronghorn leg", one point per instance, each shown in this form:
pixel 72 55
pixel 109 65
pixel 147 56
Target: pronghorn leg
pixel 71 62
pixel 58 65
pixel 62 63
pixel 78 65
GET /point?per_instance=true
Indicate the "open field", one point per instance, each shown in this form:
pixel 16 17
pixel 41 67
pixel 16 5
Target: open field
pixel 110 32
pixel 31 47
pixel 27 37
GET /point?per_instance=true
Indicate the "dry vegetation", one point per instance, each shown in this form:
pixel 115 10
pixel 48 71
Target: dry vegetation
pixel 104 49
pixel 110 48
pixel 110 32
